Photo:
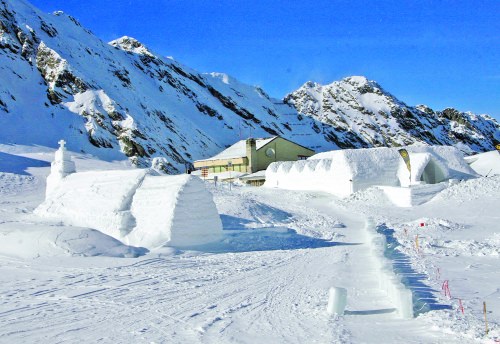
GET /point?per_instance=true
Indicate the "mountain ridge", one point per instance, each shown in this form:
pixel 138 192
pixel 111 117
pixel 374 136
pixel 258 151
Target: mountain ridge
pixel 380 119
pixel 119 100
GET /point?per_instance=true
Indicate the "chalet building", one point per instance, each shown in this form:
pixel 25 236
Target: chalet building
pixel 252 155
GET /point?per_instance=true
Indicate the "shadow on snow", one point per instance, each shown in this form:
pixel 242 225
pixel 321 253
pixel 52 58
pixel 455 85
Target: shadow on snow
pixel 242 235
pixel 423 295
pixel 17 164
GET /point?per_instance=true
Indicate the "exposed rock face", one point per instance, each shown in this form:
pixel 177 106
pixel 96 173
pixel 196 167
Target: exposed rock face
pixel 365 115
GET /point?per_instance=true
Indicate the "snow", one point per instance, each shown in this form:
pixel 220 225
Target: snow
pixel 239 149
pixel 485 164
pixel 411 196
pixel 346 171
pixel 25 241
pixel 132 206
pixel 259 175
pixel 267 278
pixel 163 210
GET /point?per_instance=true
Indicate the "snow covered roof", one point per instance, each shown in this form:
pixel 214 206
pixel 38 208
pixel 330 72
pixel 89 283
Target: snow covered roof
pixel 255 176
pixel 239 150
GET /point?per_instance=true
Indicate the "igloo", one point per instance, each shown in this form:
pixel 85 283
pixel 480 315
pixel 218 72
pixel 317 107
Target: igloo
pixel 343 172
pixel 138 207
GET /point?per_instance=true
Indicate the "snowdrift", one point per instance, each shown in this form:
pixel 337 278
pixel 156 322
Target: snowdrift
pixel 136 207
pixel 344 172
pixel 486 164
pixel 21 240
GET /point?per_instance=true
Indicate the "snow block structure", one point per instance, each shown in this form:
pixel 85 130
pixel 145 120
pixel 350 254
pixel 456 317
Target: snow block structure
pixel 60 167
pixel 344 172
pixel 137 207
pixel 177 210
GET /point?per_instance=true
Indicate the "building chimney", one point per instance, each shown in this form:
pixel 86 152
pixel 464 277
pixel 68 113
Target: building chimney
pixel 251 155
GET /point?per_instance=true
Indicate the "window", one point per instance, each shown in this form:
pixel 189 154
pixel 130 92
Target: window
pixel 270 152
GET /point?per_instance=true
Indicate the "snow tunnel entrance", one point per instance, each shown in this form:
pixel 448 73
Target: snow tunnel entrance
pixel 433 173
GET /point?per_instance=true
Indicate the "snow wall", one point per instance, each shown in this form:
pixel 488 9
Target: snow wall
pixel 344 172
pixel 136 207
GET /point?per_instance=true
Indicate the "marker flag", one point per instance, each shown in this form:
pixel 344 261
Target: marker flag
pixel 406 157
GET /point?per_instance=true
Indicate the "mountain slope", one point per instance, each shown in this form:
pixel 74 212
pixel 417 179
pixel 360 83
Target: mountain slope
pixel 365 115
pixel 121 100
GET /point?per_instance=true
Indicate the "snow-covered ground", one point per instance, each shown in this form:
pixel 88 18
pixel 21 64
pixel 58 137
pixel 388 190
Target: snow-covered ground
pixel 266 281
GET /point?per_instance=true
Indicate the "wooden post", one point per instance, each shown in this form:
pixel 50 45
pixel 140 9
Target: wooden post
pixel 485 319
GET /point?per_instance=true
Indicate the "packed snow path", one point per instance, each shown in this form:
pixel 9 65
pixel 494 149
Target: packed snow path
pixel 234 292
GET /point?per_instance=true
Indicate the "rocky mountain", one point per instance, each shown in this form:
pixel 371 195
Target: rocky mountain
pixel 365 115
pixel 120 100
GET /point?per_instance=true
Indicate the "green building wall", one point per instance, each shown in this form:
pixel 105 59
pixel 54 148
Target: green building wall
pixel 283 151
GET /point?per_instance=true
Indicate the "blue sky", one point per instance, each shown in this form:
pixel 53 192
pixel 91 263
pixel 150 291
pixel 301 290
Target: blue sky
pixel 439 53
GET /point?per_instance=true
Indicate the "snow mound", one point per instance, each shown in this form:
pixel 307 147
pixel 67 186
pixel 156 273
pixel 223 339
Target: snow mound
pixel 480 188
pixel 486 164
pixel 136 207
pixel 26 241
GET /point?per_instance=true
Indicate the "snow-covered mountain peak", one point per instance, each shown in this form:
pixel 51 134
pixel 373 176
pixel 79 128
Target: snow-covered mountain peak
pixel 132 45
pixel 358 80
pixel 361 84
pixel 312 84
pixel 225 78
pixel 365 115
